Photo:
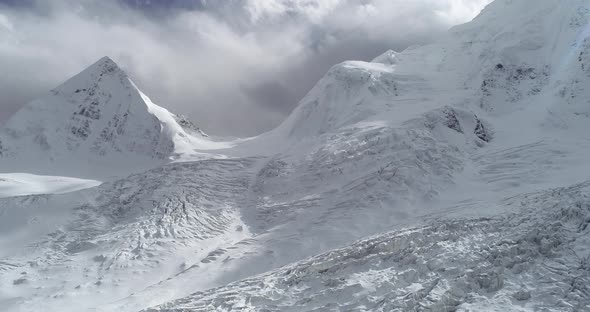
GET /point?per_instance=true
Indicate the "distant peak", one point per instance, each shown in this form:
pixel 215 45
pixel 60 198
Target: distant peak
pixel 106 59
pixel 94 77
pixel 105 65
pixel 387 58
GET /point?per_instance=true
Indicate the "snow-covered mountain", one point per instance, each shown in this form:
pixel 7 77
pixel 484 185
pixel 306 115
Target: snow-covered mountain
pixel 97 118
pixel 446 177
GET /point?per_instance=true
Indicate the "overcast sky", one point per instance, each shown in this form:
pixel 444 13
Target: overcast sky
pixel 235 67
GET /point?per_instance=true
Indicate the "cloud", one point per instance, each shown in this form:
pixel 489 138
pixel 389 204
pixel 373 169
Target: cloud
pixel 234 67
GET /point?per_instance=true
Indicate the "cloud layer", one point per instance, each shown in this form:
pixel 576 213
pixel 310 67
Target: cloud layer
pixel 235 67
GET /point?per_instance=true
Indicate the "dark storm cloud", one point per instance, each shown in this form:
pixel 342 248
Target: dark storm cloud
pixel 236 67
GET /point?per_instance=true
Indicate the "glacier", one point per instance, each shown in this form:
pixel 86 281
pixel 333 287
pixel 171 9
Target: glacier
pixel 447 177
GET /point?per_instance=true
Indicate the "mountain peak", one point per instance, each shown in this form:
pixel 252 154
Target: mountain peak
pixel 105 65
pixel 95 114
pixel 102 74
pixel 106 59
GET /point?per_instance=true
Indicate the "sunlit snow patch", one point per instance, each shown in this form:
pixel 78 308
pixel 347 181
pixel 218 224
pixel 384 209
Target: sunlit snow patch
pixel 19 184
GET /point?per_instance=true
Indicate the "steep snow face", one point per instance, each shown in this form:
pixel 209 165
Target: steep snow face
pixel 350 92
pixel 512 53
pixel 531 57
pixel 98 116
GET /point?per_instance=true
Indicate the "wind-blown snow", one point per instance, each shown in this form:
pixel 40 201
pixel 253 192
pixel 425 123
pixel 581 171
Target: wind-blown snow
pixel 446 177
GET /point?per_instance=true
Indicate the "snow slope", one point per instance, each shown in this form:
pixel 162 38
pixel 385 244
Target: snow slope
pixel 447 177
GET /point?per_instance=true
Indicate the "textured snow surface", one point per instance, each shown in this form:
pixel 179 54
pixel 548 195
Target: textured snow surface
pixel 534 258
pixel 447 177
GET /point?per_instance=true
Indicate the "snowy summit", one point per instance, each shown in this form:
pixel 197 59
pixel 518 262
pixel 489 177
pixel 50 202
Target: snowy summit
pixel 98 117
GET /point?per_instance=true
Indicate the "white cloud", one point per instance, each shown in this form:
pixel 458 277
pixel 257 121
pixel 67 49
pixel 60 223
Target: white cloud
pixel 5 23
